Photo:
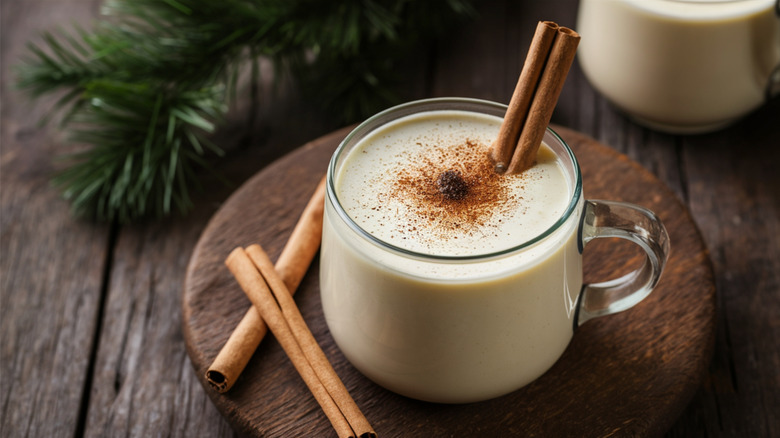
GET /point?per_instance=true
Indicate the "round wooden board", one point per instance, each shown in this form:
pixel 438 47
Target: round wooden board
pixel 629 374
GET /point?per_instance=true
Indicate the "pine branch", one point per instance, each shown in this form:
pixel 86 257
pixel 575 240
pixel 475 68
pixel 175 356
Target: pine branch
pixel 144 151
pixel 153 78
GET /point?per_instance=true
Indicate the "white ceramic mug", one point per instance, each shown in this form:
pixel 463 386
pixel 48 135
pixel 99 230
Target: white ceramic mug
pixel 682 66
pixel 468 328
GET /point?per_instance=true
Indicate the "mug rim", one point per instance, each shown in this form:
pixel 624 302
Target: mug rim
pixel 440 103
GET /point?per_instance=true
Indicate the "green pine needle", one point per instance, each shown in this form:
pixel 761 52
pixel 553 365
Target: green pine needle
pixel 147 85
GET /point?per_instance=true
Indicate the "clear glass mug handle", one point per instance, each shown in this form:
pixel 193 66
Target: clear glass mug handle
pixel 633 223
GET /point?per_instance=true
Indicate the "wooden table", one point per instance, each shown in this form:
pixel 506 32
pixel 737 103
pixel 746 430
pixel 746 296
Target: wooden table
pixel 90 314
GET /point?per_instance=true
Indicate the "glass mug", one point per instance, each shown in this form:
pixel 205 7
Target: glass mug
pixel 458 329
pixel 682 66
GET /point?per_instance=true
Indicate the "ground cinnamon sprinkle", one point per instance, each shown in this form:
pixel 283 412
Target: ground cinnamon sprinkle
pixel 451 191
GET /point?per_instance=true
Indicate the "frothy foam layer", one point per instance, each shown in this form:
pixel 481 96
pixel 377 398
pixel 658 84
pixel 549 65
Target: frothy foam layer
pixel 424 183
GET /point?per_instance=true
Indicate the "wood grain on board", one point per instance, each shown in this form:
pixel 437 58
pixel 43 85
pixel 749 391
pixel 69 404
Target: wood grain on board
pixel 631 373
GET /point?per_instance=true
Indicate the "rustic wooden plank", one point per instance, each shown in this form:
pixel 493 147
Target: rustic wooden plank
pixel 732 194
pixel 144 382
pixel 735 197
pixel 51 266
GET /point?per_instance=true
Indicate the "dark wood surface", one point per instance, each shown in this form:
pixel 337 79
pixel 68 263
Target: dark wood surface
pixel 91 337
pixel 634 372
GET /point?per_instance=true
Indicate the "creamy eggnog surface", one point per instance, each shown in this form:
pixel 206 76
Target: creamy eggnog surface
pixel 424 183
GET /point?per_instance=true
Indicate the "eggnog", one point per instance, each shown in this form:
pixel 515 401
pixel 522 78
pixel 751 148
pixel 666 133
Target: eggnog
pixel 443 281
pixel 391 185
pixel 440 279
pixel 681 65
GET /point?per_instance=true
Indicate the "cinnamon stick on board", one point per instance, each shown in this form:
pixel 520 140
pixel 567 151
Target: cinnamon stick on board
pixel 308 344
pixel 293 262
pixel 548 61
pixel 263 302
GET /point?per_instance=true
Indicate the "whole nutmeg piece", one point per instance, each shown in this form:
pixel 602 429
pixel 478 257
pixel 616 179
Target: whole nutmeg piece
pixel 452 185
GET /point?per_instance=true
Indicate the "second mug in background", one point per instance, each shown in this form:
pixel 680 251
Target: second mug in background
pixel 682 66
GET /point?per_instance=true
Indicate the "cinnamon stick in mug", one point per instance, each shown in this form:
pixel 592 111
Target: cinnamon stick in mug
pixel 539 86
pixel 517 111
pixel 293 262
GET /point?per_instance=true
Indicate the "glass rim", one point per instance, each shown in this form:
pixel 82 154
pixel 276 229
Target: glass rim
pixel 692 9
pixel 442 102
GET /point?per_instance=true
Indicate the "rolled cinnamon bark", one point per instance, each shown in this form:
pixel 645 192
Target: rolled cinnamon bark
pixel 517 111
pixel 545 98
pixel 540 83
pixel 293 262
pixel 312 351
pixel 264 303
